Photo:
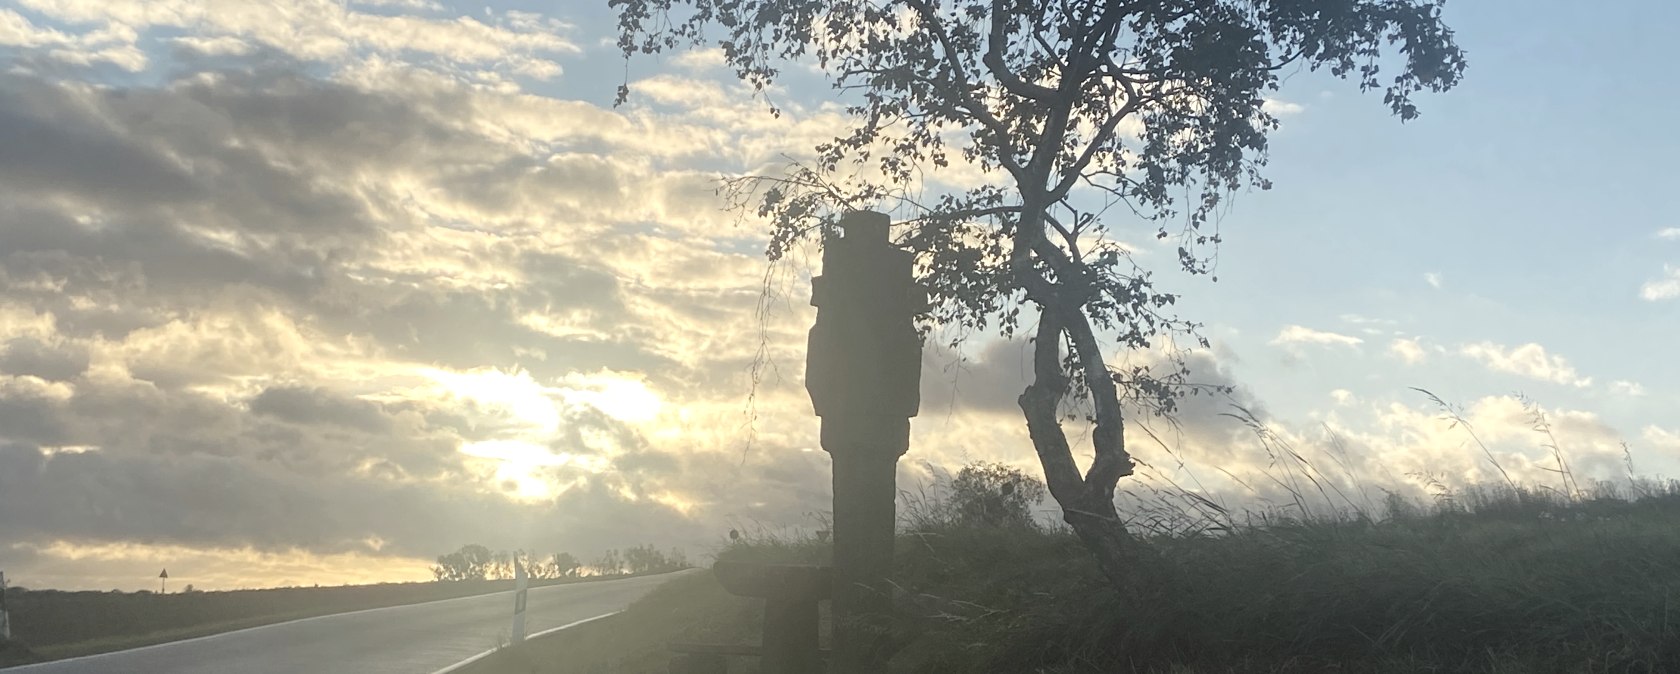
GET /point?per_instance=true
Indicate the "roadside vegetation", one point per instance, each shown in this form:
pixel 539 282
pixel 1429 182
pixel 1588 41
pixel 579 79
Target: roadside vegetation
pixel 1490 579
pixel 1486 579
pixel 476 562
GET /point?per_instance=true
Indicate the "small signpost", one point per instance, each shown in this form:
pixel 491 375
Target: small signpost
pixel 163 580
pixel 521 584
pixel 863 371
pixel 5 618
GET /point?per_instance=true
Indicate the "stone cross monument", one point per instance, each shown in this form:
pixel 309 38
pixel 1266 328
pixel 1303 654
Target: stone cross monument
pixel 863 371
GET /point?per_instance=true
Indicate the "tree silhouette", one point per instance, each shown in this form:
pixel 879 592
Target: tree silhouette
pixel 609 564
pixel 1092 115
pixel 471 562
pixel 565 565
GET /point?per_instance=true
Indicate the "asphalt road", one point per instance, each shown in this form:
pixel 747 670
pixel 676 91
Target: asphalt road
pixel 413 639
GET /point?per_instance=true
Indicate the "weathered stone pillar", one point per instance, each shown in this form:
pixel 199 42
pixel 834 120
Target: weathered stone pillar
pixel 863 371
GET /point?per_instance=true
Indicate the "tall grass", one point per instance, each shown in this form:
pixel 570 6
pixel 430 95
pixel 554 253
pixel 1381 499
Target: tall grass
pixel 1570 576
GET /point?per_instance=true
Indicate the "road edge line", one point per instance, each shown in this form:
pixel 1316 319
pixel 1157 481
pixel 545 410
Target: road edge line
pixel 462 664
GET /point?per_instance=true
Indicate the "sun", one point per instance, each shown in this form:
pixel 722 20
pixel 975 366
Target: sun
pixel 530 467
pixel 622 397
pixel 515 394
pixel 530 415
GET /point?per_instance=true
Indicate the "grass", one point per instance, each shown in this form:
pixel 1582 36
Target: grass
pixel 53 624
pixel 1496 578
pixel 1591 588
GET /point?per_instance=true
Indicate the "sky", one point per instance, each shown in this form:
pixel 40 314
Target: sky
pixel 312 292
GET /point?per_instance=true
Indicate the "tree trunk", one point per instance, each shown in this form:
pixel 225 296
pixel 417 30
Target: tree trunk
pixel 1087 501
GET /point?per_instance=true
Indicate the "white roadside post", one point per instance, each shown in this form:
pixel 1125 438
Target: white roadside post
pixel 5 619
pixel 521 583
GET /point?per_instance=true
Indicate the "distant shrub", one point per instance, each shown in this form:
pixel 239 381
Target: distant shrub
pixel 994 495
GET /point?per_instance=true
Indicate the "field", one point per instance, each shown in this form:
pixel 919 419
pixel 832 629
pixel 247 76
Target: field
pixel 1491 580
pixel 52 624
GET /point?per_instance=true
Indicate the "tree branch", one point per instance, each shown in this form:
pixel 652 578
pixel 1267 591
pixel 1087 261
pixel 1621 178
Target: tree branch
pixel 959 83
pixel 999 68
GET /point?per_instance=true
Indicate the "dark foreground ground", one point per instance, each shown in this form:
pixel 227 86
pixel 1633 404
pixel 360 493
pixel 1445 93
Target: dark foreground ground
pixel 52 624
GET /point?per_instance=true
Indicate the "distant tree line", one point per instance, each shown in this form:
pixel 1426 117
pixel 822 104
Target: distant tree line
pixel 476 562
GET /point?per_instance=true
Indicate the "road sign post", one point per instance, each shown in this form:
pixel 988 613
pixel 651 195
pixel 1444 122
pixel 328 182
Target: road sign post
pixel 521 584
pixel 163 581
pixel 863 372
pixel 5 618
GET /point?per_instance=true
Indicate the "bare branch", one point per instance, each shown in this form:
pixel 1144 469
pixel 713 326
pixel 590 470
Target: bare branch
pixel 999 68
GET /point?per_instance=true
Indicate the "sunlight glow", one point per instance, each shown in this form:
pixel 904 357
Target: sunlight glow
pixel 530 467
pixel 530 415
pixel 675 502
pixel 514 393
pixel 99 566
pixel 617 395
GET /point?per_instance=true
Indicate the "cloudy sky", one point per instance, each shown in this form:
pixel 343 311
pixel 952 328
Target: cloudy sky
pixel 311 292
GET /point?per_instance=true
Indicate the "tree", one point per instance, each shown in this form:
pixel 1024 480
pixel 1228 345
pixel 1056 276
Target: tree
pixel 644 559
pixel 610 564
pixel 564 565
pixel 1095 113
pixel 471 562
pixel 994 495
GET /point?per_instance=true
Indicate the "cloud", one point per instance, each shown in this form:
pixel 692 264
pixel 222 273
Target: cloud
pixel 1370 325
pixel 113 44
pixel 1280 108
pixel 700 60
pixel 1662 438
pixel 224 45
pixel 1527 360
pixel 51 362
pixel 1433 279
pixel 1666 287
pixel 1627 388
pixel 1298 335
pixel 969 412
pixel 309 30
pixel 249 309
pixel 1669 233
pixel 1410 350
pixel 1411 442
pixel 307 406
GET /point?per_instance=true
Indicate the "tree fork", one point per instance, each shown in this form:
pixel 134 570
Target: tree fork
pixel 1087 502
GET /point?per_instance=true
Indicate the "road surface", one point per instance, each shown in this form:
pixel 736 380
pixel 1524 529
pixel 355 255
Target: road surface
pixel 413 639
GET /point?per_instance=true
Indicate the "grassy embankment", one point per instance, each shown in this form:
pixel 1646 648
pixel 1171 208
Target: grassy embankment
pixel 1490 579
pixel 1498 581
pixel 52 624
